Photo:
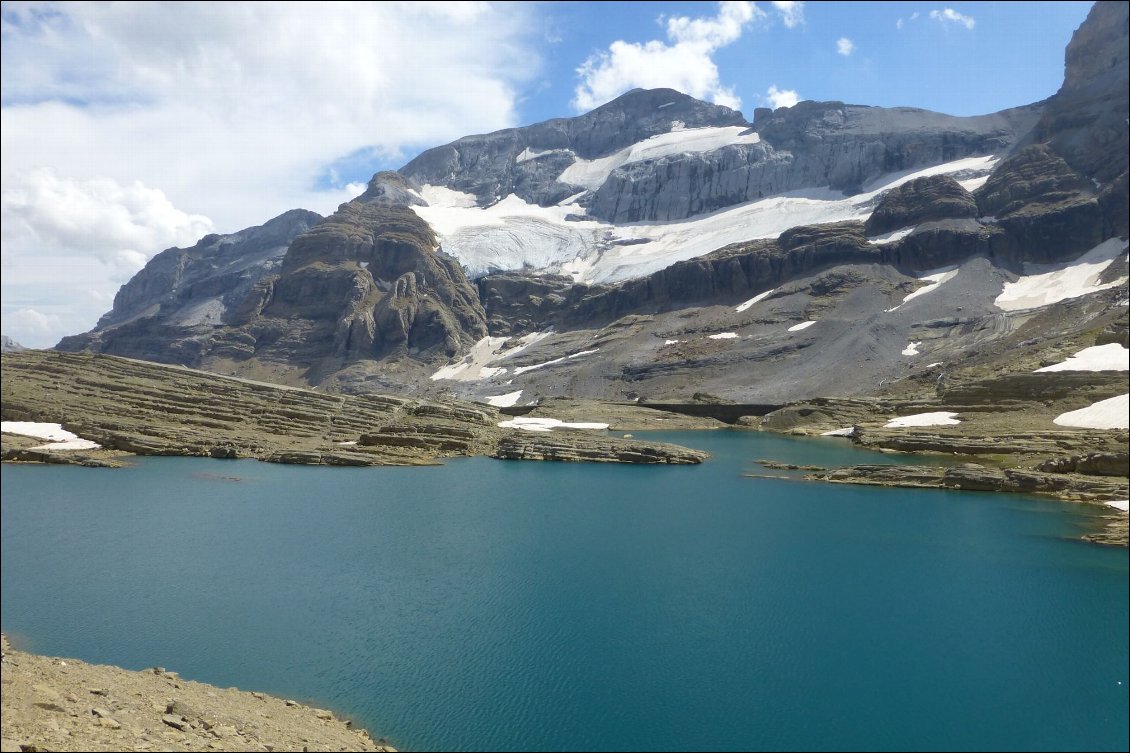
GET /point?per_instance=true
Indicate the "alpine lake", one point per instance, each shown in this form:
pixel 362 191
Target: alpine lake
pixel 500 605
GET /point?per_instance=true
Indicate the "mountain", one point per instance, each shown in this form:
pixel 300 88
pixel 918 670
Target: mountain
pixel 660 246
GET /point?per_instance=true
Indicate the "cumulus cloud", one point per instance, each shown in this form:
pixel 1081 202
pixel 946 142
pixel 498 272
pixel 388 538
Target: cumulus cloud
pixel 781 97
pixel 685 62
pixel 951 16
pixel 119 224
pixel 792 13
pixel 231 112
pixel 845 46
pixel 900 23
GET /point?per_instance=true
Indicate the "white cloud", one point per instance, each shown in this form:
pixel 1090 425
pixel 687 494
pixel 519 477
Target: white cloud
pixel 230 112
pixel 781 97
pixel 118 224
pixel 949 15
pixel 686 63
pixel 792 13
pixel 845 46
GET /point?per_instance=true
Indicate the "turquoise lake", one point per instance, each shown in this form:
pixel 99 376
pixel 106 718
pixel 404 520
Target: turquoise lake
pixel 490 605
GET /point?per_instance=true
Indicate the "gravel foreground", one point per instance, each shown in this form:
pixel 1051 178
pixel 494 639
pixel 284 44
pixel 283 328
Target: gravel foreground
pixel 69 705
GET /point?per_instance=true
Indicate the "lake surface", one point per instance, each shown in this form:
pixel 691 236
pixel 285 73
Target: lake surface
pixel 551 606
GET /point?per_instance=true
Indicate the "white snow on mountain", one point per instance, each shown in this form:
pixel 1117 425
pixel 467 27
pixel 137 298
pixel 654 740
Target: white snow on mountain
pixel 512 235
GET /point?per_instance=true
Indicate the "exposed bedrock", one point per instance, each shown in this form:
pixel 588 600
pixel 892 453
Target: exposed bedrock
pixel 1085 122
pixel 937 197
pixel 809 145
pixel 572 447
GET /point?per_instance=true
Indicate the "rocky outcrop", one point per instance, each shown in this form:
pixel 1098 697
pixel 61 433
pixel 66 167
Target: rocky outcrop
pixel 572 447
pixel 937 197
pixel 976 477
pixel 1091 464
pixel 368 283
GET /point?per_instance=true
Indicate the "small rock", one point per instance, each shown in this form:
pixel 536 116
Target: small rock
pixel 99 691
pixel 292 703
pixel 323 714
pixel 103 713
pixel 110 723
pixel 181 709
pixel 175 722
pixel 257 695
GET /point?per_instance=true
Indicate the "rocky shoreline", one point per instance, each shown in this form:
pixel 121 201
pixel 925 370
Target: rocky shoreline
pixel 138 408
pixel 69 705
pixel 1003 439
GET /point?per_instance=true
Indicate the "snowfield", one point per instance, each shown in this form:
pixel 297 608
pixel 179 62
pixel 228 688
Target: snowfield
pixel 1105 414
pixel 512 234
pixel 1045 284
pixel 939 418
pixel 1109 357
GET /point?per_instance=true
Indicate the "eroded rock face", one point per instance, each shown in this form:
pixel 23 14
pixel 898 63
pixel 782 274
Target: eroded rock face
pixel 169 309
pixel 809 145
pixel 1085 122
pixel 937 197
pixel 369 283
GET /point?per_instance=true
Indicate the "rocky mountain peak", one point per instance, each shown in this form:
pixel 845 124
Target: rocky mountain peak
pixel 391 189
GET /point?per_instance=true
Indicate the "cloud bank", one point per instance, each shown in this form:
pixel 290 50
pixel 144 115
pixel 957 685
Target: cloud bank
pixel 159 122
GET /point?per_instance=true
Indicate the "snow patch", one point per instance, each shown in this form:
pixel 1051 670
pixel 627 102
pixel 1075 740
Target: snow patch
pixel 1109 357
pixel 475 366
pixel 680 140
pixel 935 280
pixel 912 349
pixel 58 437
pixel 441 196
pixel 724 336
pixel 802 325
pixel 1120 504
pixel 1045 284
pixel 891 237
pixel 1105 414
pixel 756 299
pixel 847 431
pixel 505 401
pixel 670 342
pixel 523 369
pixel 528 154
pixel 546 424
pixel 939 418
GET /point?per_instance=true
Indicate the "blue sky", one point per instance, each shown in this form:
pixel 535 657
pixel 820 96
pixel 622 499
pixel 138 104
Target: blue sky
pixel 128 128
